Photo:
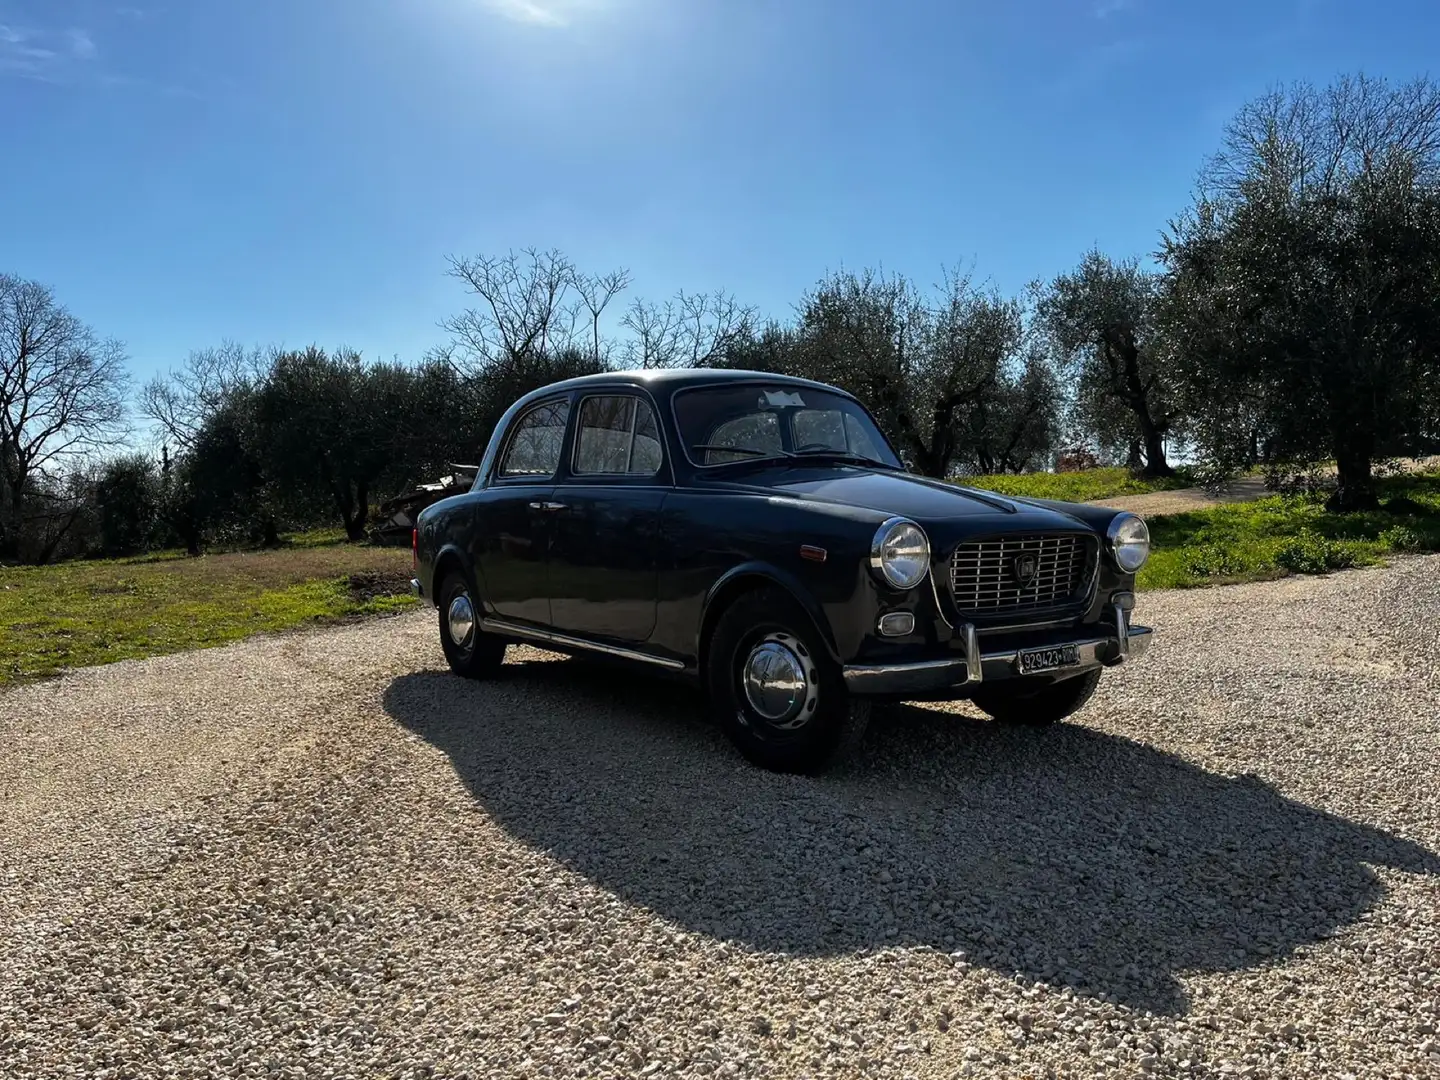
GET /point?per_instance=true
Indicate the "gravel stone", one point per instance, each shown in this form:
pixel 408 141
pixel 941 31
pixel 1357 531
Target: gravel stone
pixel 319 855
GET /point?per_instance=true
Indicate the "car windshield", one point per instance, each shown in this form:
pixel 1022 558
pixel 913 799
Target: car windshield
pixel 753 421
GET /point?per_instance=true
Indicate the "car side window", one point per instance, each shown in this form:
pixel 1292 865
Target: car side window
pixel 618 436
pixel 535 444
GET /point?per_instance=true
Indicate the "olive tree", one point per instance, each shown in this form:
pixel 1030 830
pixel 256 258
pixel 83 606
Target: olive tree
pixel 1102 320
pixel 943 374
pixel 1306 278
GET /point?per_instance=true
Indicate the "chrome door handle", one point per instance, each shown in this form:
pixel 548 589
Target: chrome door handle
pixel 547 506
pixel 537 506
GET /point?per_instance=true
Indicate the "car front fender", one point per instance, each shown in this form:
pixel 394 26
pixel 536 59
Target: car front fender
pixel 758 574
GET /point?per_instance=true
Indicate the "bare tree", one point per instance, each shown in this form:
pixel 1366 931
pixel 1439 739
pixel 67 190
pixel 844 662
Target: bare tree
pixel 62 395
pixel 1313 140
pixel 181 400
pixel 596 293
pixel 692 330
pixel 524 308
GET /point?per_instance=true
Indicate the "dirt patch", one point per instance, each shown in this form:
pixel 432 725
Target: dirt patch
pixel 372 584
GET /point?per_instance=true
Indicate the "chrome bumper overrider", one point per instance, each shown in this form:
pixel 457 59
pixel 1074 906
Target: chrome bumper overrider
pixel 415 589
pixel 930 676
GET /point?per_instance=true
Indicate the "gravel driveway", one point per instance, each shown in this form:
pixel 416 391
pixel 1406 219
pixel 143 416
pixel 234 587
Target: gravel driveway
pixel 318 855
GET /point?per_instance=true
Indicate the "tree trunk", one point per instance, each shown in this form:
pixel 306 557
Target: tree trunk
pixel 1135 461
pixel 271 537
pixel 1155 463
pixel 1355 489
pixel 355 521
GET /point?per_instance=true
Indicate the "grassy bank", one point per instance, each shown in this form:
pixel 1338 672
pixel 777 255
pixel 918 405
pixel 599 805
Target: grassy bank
pixel 1073 486
pixel 1284 535
pixel 81 613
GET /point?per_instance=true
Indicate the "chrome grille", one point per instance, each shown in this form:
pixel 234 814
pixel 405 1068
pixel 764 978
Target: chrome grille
pixel 983 577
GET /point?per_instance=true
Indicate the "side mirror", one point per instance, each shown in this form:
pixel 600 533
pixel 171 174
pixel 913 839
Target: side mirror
pixel 908 462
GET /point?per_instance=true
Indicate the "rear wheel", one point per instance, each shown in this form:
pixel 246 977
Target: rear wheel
pixel 1015 703
pixel 469 650
pixel 774 689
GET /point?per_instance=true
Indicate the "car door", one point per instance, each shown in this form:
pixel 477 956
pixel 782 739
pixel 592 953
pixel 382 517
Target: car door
pixel 514 522
pixel 604 532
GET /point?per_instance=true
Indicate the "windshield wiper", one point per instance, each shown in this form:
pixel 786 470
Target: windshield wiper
pixel 846 455
pixel 743 451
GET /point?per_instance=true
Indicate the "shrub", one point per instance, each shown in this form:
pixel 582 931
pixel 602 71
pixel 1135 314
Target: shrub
pixel 1211 560
pixel 1401 538
pixel 127 498
pixel 1311 553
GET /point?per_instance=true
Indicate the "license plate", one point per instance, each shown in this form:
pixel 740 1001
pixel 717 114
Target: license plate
pixel 1033 661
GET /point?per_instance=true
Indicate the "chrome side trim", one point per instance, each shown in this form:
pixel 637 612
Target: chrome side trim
pixel 565 641
pixel 1122 624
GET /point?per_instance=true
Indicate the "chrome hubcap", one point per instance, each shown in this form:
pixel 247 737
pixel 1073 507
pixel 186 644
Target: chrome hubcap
pixel 779 681
pixel 460 618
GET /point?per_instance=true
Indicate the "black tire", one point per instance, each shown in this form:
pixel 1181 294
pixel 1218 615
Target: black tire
pixel 1015 703
pixel 825 723
pixel 477 655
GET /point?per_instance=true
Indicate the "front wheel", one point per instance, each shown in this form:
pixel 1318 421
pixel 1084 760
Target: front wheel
pixel 774 689
pixel 1015 703
pixel 468 650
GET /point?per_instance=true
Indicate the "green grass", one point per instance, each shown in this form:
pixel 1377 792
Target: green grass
pixel 1074 486
pixel 1286 534
pixel 97 612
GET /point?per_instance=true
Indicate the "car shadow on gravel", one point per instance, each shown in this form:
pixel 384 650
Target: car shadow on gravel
pixel 1064 855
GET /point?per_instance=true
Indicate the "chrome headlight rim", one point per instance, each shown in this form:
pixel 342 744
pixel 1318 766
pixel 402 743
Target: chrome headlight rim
pixel 1128 552
pixel 884 568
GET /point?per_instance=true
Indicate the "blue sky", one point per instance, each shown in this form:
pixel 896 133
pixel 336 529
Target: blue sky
pixel 288 171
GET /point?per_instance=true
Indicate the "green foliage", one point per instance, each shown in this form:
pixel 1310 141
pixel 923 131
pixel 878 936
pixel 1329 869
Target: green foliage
pixel 1402 538
pixel 1311 553
pixel 1084 486
pixel 96 612
pixel 1287 534
pixel 128 500
pixel 1211 561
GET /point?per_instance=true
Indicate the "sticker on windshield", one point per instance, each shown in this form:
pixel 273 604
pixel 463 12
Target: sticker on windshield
pixel 781 399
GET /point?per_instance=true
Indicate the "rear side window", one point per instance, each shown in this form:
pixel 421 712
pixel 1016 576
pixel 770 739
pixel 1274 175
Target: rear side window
pixel 534 448
pixel 618 436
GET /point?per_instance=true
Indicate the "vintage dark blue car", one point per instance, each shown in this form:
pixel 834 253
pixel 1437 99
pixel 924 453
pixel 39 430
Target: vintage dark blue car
pixel 759 535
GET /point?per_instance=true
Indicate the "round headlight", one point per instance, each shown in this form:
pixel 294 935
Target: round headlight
pixel 1129 542
pixel 900 553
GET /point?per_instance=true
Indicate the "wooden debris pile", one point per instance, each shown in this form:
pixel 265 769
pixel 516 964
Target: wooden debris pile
pixel 397 515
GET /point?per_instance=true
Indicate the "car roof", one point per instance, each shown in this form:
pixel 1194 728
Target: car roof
pixel 671 379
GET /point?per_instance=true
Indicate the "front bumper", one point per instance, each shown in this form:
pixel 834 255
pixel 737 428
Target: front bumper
pixel 956 675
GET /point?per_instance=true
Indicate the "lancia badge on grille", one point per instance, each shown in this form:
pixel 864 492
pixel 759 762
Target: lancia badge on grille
pixel 1024 569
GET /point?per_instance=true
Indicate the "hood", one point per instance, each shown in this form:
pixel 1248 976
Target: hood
pixel 928 502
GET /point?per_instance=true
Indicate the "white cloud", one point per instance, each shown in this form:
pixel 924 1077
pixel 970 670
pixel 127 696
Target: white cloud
pixel 23 53
pixel 45 55
pixel 82 46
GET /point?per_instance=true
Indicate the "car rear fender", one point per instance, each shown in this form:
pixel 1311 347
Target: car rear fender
pixel 752 575
pixel 448 558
